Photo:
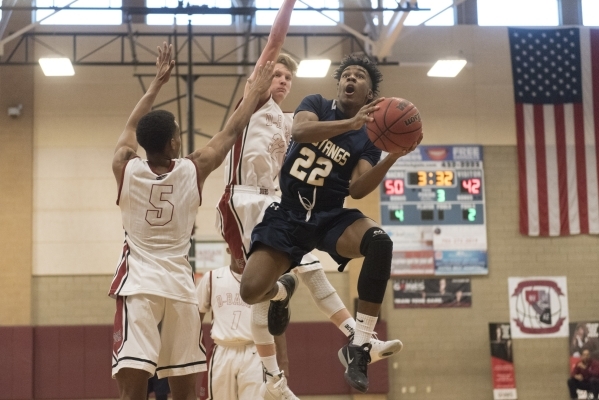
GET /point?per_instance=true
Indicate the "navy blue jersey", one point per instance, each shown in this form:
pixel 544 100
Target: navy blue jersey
pixel 326 166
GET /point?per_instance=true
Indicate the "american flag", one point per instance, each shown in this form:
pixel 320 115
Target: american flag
pixel 557 125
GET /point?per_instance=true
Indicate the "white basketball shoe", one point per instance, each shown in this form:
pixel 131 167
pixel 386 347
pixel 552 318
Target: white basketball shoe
pixel 275 387
pixel 381 349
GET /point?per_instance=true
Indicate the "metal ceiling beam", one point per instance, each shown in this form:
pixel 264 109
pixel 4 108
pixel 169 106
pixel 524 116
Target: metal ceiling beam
pixel 220 51
pixel 192 10
pixel 28 27
pixel 391 32
pixel 346 28
pixel 371 27
pixel 455 4
pixel 6 17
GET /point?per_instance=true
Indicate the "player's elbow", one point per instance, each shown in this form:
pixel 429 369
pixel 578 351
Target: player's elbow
pixel 357 195
pixel 356 192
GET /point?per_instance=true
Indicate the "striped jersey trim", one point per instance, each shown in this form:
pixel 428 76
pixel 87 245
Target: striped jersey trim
pixel 122 271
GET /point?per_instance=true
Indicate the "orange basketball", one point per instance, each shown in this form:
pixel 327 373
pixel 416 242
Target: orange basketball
pixel 396 126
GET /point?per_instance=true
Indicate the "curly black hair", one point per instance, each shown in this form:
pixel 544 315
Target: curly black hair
pixel 369 65
pixel 155 129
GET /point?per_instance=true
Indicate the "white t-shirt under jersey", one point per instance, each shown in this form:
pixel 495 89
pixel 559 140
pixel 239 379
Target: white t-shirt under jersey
pixel 158 213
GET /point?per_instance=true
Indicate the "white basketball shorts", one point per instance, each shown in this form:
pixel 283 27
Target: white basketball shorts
pixel 157 335
pixel 235 372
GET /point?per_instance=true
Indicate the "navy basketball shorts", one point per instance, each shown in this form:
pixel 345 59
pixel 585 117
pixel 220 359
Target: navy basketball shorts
pixel 289 232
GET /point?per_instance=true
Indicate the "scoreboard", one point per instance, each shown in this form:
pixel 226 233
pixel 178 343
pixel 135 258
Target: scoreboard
pixel 428 195
pixel 433 207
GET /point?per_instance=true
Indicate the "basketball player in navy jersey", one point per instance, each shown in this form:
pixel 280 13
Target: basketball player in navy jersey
pixel 330 157
pixel 252 180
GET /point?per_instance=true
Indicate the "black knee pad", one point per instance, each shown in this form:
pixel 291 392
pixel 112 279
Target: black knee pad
pixel 377 249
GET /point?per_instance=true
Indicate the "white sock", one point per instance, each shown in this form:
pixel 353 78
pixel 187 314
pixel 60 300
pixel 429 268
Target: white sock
pixel 364 328
pixel 281 294
pixel 348 326
pixel 270 363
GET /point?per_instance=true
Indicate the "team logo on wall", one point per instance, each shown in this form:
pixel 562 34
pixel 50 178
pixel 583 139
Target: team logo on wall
pixel 538 307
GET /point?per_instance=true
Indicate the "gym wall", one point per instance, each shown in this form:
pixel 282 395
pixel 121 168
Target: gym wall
pixel 61 232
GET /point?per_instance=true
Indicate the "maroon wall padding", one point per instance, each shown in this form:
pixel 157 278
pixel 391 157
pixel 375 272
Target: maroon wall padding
pixel 16 365
pixel 313 362
pixel 73 362
pixel 98 363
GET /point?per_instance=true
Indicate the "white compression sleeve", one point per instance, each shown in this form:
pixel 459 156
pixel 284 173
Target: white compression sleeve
pixel 260 324
pixel 323 293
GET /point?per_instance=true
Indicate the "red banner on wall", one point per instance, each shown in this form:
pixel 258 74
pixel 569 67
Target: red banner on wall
pixel 502 364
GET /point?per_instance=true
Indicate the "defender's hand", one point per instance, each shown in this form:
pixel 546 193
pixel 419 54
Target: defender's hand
pixel 164 63
pixel 263 78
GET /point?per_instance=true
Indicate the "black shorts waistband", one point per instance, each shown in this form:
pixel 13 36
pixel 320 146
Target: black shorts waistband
pixel 321 205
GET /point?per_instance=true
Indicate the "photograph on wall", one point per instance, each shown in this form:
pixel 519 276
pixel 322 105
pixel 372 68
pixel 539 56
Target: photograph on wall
pixel 432 292
pixel 433 208
pixel 502 362
pixel 583 336
pixel 538 307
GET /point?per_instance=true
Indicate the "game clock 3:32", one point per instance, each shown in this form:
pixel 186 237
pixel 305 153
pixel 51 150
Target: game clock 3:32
pixel 437 178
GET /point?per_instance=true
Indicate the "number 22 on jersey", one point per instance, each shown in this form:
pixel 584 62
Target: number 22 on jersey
pixel 319 169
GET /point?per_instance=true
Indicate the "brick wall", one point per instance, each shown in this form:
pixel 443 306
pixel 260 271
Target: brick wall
pixel 16 186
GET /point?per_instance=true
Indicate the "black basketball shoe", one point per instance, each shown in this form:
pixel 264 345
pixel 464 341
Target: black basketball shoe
pixel 278 311
pixel 355 359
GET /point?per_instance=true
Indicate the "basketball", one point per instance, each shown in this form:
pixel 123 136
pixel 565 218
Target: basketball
pixel 396 125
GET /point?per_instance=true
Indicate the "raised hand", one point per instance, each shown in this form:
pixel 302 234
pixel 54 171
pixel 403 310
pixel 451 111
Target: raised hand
pixel 407 151
pixel 263 76
pixel 365 114
pixel 415 144
pixel 164 63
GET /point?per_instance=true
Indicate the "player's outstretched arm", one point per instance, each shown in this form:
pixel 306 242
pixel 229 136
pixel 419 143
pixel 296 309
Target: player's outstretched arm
pixel 126 146
pixel 366 178
pixel 276 38
pixel 211 157
pixel 307 128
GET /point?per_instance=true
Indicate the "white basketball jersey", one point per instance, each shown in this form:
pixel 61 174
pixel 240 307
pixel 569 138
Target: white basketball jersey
pixel 257 156
pixel 158 213
pixel 219 291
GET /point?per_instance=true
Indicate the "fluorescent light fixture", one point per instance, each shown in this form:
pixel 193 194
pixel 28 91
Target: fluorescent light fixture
pixel 57 66
pixel 313 68
pixel 447 68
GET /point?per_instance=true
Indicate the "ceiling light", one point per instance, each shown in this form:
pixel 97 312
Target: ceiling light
pixel 57 66
pixel 447 68
pixel 313 68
